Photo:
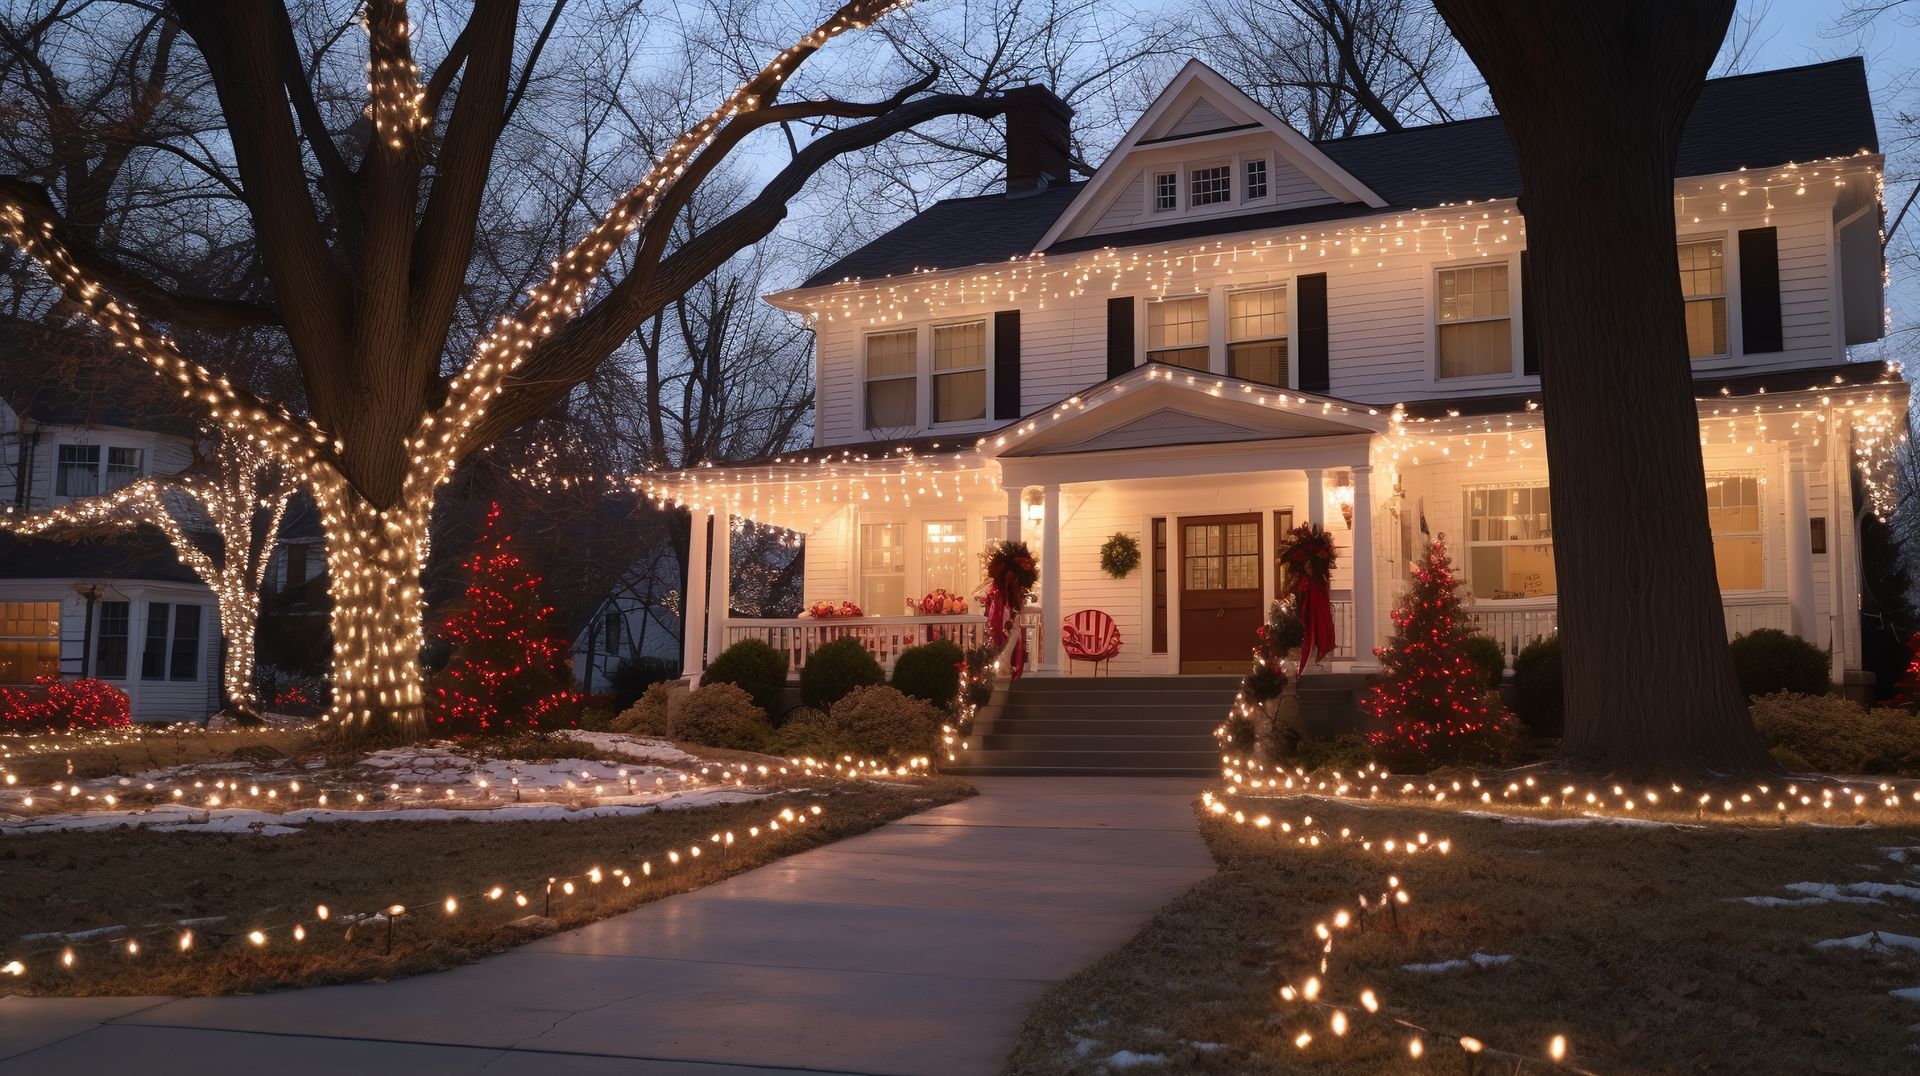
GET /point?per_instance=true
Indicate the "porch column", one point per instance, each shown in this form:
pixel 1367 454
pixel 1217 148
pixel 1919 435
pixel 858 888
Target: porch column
pixel 1049 656
pixel 1014 508
pixel 1364 560
pixel 693 600
pixel 1800 607
pixel 1316 498
pixel 721 591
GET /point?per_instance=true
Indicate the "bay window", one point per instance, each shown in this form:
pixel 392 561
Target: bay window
pixel 960 372
pixel 1510 542
pixel 29 641
pixel 1177 332
pixel 110 641
pixel 1703 284
pixel 1257 335
pixel 1475 321
pixel 892 367
pixel 172 650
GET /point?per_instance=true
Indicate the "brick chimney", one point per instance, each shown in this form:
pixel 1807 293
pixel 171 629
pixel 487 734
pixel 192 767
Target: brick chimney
pixel 1037 139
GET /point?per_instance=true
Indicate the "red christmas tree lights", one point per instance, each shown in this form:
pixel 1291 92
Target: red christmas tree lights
pixel 1431 704
pixel 508 668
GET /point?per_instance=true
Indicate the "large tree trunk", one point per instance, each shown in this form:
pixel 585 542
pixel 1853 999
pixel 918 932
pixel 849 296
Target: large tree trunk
pixel 239 606
pixel 1594 96
pixel 374 560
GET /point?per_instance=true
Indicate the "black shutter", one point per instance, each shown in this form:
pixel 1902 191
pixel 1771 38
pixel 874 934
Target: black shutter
pixel 1529 338
pixel 1119 335
pixel 1760 331
pixel 1313 332
pixel 1006 364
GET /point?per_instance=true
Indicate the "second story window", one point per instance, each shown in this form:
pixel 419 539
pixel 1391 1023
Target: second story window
pixel 892 366
pixel 960 371
pixel 1211 186
pixel 1256 186
pixel 1177 332
pixel 1475 322
pixel 1703 282
pixel 1257 335
pixel 1166 192
pixel 123 467
pixel 79 473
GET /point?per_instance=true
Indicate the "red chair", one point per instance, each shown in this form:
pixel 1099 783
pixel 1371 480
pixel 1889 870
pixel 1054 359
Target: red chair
pixel 1090 635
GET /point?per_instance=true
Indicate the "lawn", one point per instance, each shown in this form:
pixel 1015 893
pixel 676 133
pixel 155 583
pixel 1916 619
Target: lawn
pixel 1631 940
pixel 92 890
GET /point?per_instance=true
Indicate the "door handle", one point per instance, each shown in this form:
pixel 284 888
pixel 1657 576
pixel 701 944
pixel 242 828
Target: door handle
pixel 1219 614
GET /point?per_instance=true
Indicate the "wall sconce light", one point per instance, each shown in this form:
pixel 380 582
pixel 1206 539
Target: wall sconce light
pixel 1035 508
pixel 1342 496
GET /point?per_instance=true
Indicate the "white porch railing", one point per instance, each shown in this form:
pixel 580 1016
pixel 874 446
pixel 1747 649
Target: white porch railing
pixel 883 636
pixel 1343 628
pixel 1515 628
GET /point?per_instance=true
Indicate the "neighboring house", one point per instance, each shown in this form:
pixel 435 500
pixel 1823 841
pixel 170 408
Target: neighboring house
pixel 119 607
pixel 639 617
pixel 1229 330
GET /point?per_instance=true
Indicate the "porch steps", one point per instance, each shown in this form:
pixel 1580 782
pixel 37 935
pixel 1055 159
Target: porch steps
pixel 1117 726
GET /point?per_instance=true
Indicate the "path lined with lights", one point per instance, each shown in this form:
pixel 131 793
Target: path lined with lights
pixel 916 948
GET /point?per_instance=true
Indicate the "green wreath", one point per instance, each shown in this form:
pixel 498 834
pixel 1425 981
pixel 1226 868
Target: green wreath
pixel 1120 555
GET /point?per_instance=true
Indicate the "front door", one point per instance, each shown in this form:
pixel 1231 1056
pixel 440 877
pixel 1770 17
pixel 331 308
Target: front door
pixel 1219 592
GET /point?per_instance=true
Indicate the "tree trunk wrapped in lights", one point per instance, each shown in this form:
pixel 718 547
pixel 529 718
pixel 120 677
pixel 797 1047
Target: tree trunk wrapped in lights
pixel 244 495
pixel 368 264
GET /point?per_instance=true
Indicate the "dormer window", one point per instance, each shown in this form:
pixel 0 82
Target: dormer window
pixel 1166 192
pixel 1211 186
pixel 1256 185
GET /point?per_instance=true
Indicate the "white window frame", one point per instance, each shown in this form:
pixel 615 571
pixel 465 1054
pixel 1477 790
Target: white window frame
pixel 1764 533
pixel 1192 174
pixel 1468 544
pixel 919 567
pixel 102 467
pixel 1154 176
pixel 1285 284
pixel 986 359
pixel 173 621
pixel 38 640
pixel 1729 281
pixel 904 530
pixel 913 375
pixel 1247 161
pixel 1512 317
pixel 1211 345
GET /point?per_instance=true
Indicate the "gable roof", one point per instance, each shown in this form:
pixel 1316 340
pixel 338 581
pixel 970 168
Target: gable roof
pixel 62 378
pixel 1757 120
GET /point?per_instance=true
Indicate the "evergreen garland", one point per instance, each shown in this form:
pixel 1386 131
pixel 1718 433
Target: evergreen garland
pixel 1120 555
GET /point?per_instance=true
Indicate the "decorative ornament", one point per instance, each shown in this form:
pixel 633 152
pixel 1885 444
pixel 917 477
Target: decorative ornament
pixel 1120 555
pixel 1011 574
pixel 941 603
pixel 831 610
pixel 1306 563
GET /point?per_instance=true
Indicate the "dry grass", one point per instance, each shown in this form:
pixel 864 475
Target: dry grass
pixel 38 760
pixel 1622 938
pixel 76 881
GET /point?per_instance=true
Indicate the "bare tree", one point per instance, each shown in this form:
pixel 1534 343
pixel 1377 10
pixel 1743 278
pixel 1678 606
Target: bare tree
pixel 363 209
pixel 1594 97
pixel 1334 68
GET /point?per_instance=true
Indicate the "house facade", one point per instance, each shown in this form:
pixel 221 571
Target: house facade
pixel 120 608
pixel 1229 330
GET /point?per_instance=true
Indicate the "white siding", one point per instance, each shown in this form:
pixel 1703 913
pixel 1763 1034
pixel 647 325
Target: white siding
pixel 1203 116
pixel 149 700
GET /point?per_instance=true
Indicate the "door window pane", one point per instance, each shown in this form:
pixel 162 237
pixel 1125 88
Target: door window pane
pixel 110 648
pixel 1243 556
pixel 1206 566
pixel 1703 282
pixel 29 641
pixel 1177 332
pixel 883 569
pixel 1159 585
pixel 1475 322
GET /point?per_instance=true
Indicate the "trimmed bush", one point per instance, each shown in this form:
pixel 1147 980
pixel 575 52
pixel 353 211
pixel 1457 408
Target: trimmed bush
pixel 1768 660
pixel 722 715
pixel 1830 734
pixel 652 715
pixel 930 672
pixel 632 677
pixel 869 722
pixel 1537 693
pixel 754 667
pixel 1349 751
pixel 810 733
pixel 1485 653
pixel 835 669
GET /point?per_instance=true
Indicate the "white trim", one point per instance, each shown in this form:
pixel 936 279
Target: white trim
pixel 1516 337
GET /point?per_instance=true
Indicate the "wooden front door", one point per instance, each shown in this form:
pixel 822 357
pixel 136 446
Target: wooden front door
pixel 1220 566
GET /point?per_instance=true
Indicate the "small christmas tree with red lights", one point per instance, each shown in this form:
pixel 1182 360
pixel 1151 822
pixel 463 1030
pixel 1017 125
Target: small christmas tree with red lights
pixel 508 669
pixel 1430 704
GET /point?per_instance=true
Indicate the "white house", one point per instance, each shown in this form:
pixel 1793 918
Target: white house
pixel 122 608
pixel 1230 329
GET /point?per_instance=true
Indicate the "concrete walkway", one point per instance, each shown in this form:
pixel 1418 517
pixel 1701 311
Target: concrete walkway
pixel 917 948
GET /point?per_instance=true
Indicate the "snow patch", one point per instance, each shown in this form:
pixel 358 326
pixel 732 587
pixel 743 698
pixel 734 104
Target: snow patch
pixel 1855 892
pixel 1907 993
pixel 1583 820
pixel 1871 941
pixel 1127 1059
pixel 1480 960
pixel 620 743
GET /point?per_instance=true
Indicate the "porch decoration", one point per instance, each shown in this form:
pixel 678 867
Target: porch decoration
pixel 1308 559
pixel 940 603
pixel 1120 555
pixel 509 668
pixel 1011 574
pixel 1090 635
pixel 1431 704
pixel 829 610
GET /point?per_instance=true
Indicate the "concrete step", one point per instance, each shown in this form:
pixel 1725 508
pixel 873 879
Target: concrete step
pixel 1126 725
pixel 1119 697
pixel 1125 683
pixel 1102 758
pixel 1100 714
pixel 998 740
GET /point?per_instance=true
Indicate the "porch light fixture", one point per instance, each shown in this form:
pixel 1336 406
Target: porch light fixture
pixel 1035 508
pixel 1342 498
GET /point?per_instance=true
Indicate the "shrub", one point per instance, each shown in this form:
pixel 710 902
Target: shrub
pixel 810 733
pixel 1485 653
pixel 632 678
pixel 754 667
pixel 1240 734
pixel 596 718
pixel 1831 734
pixel 1537 696
pixel 1349 751
pixel 835 669
pixel 980 675
pixel 1768 660
pixel 869 722
pixel 722 715
pixel 55 705
pixel 653 714
pixel 930 672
